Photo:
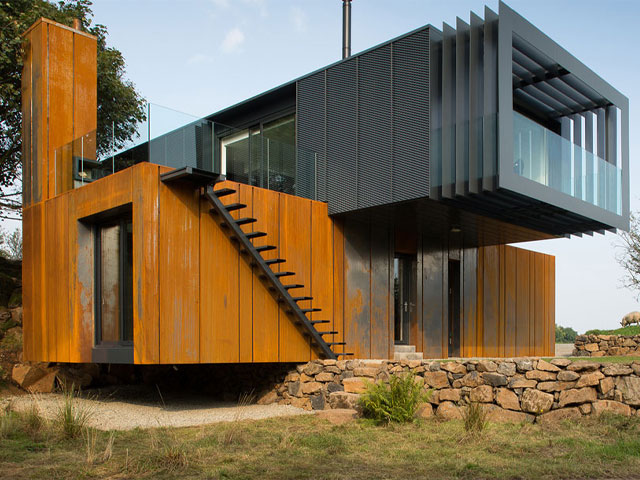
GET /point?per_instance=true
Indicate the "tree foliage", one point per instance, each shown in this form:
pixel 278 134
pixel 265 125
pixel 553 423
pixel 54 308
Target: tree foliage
pixel 629 258
pixel 119 104
pixel 565 334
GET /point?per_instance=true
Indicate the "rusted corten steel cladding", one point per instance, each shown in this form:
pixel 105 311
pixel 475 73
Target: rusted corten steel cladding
pixel 197 300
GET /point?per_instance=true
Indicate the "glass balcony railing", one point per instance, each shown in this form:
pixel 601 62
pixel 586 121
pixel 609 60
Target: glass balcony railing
pixel 176 140
pixel 551 160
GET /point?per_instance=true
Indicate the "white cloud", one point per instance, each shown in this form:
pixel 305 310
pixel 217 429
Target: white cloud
pixel 232 41
pixel 199 59
pixel 298 19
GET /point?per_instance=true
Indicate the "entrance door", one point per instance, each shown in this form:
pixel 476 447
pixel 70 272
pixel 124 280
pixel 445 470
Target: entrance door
pixel 454 308
pixel 404 289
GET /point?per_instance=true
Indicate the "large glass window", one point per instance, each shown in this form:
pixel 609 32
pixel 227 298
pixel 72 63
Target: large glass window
pixel 264 155
pixel 280 154
pixel 114 282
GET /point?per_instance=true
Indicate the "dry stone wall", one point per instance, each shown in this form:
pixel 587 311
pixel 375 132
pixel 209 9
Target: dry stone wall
pixel 523 389
pixel 606 345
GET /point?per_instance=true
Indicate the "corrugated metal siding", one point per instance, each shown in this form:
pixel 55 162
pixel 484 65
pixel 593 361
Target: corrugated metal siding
pixel 342 124
pixel 368 120
pixel 311 127
pixel 411 117
pixel 374 128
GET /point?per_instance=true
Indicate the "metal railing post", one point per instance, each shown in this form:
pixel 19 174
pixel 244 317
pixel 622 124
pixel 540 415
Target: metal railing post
pixel 113 147
pixel 82 160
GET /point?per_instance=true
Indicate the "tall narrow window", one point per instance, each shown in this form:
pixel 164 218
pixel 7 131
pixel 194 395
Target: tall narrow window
pixel 114 282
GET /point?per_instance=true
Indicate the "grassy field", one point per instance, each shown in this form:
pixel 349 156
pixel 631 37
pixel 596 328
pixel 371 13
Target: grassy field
pixel 308 447
pixel 622 359
pixel 630 330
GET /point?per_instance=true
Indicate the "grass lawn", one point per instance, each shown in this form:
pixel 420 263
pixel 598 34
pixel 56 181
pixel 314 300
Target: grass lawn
pixel 630 330
pixel 307 447
pixel 622 359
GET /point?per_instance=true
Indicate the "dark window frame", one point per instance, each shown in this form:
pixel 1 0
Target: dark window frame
pixel 256 127
pixel 122 221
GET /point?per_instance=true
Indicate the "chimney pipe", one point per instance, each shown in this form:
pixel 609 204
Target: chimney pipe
pixel 346 29
pixel 77 24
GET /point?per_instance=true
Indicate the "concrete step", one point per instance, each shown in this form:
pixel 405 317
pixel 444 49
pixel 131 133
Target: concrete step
pixel 407 356
pixel 404 348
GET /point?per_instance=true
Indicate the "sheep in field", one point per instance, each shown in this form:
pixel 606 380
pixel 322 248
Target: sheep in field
pixel 630 319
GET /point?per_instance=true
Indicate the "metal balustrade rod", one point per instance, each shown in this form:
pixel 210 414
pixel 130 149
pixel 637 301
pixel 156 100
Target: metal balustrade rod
pixel 113 147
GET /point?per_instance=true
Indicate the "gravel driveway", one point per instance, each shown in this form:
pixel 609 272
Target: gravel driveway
pixel 126 408
pixel 564 349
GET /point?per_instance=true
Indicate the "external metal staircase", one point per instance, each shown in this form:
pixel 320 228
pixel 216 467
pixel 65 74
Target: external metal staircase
pixel 274 279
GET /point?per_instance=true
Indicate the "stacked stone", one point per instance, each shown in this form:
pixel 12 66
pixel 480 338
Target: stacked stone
pixel 606 345
pixel 523 389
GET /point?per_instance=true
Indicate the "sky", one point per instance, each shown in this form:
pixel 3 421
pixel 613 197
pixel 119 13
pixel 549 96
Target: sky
pixel 199 56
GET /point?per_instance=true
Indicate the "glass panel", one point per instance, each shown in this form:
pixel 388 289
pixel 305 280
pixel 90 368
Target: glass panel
pixel 235 157
pixel 110 283
pixel 397 301
pixel 266 157
pixel 280 154
pixel 257 176
pixel 127 278
pixel 549 159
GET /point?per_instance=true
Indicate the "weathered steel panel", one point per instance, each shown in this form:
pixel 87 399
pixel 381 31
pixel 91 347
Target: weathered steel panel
pixel 321 258
pixel 433 307
pixel 357 285
pixel 245 279
pixel 491 304
pixel 219 292
pixel 266 209
pixel 178 267
pixel 510 296
pixel 380 293
pixel 469 302
pixel 146 317
pixel 295 247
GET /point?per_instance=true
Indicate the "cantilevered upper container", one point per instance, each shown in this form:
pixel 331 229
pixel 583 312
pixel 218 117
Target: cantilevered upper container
pixel 491 116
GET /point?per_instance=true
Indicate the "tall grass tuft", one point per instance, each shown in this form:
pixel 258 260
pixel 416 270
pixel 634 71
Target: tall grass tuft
pixel 233 434
pixel 394 400
pixel 474 417
pixel 73 416
pixel 8 423
pixel 33 421
pixel 166 453
pixel 90 437
pixel 108 449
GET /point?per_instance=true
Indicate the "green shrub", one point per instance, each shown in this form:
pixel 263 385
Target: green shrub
pixel 394 400
pixel 474 418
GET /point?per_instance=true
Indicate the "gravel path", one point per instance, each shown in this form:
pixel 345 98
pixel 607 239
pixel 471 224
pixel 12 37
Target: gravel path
pixel 564 349
pixel 127 408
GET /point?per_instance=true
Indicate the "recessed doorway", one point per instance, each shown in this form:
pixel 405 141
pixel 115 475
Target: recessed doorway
pixel 404 294
pixel 454 308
